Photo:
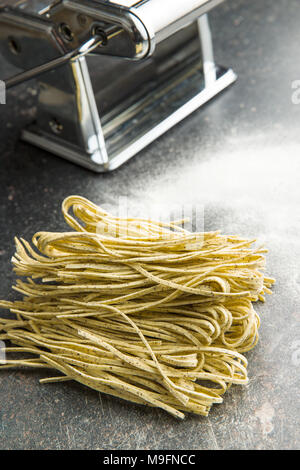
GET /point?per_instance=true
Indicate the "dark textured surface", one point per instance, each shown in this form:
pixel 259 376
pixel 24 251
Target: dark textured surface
pixel 239 157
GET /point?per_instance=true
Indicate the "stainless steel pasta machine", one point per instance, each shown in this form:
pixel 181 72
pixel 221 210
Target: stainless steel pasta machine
pixel 112 75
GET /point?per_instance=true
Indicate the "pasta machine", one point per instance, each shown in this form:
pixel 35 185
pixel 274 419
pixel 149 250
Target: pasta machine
pixel 112 75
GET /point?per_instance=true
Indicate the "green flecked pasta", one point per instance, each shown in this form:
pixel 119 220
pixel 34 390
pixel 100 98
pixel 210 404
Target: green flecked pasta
pixel 137 309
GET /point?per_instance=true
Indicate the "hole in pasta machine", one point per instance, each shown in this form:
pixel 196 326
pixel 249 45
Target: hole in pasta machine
pixel 56 126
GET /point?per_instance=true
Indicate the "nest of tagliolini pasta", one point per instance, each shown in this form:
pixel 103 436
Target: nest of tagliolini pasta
pixel 144 311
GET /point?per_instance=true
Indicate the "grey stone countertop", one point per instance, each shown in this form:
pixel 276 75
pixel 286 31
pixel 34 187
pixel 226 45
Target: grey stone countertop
pixel 239 159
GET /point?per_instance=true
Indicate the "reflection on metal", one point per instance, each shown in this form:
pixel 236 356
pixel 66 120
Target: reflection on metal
pixel 71 57
pixel 100 111
pixel 209 66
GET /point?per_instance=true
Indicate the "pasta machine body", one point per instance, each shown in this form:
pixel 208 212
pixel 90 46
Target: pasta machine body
pixel 152 66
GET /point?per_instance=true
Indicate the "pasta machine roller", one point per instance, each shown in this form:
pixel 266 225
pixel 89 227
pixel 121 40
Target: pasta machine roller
pixel 112 75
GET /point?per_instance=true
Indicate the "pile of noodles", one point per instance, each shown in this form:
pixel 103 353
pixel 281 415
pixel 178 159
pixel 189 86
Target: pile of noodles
pixel 137 309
